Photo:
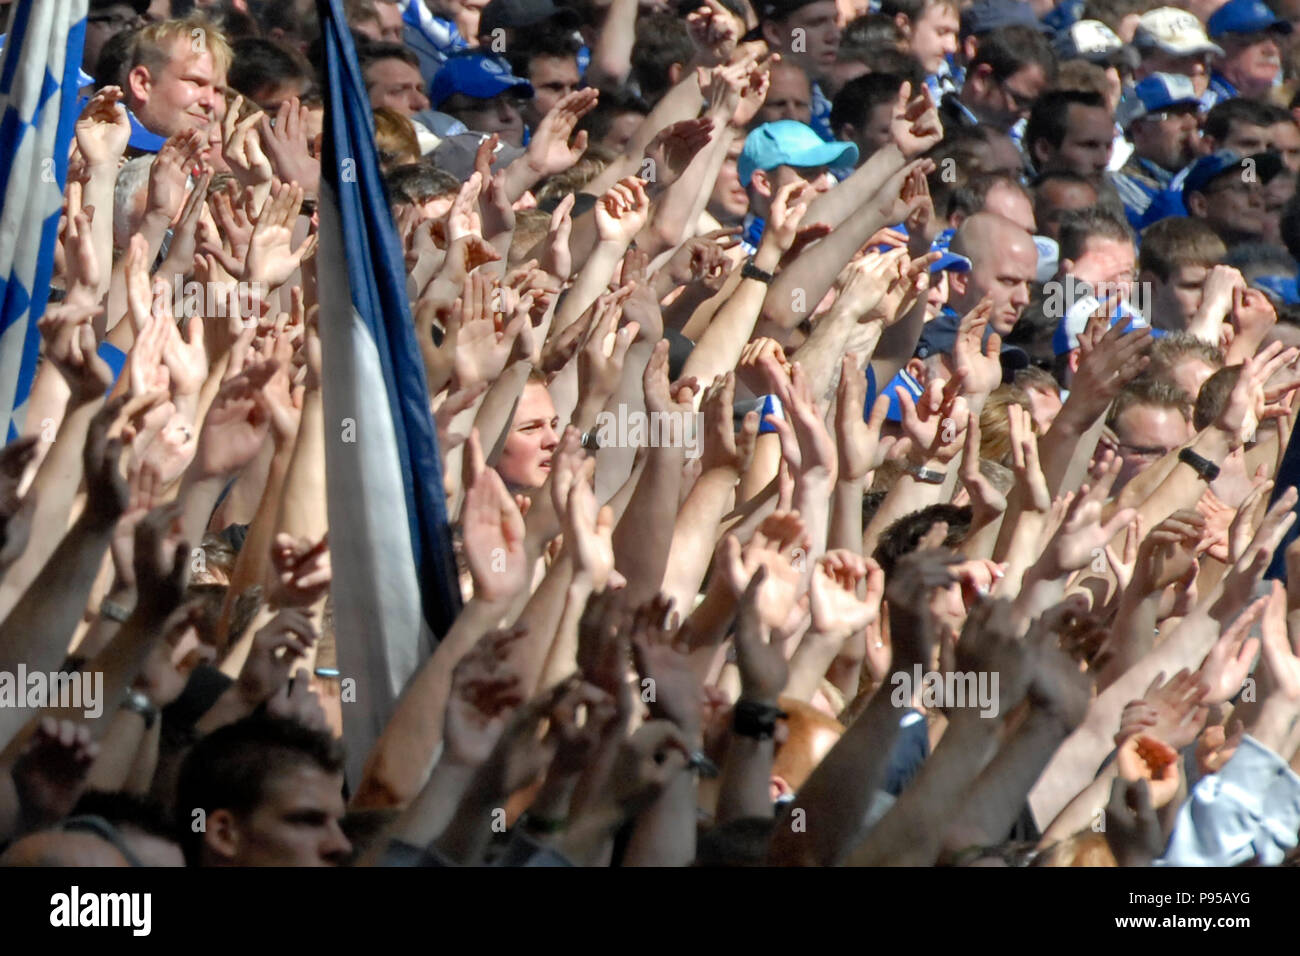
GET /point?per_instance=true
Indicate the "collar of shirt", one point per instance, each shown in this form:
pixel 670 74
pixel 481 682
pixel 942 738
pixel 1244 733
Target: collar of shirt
pixel 821 113
pixel 1221 87
pixel 753 233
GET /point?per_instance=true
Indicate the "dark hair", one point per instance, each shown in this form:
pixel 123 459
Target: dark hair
pixel 1008 50
pixel 1080 225
pixel 902 537
pixel 1219 120
pixel 259 63
pixel 740 842
pixel 869 35
pixel 661 41
pixel 1214 396
pixel 114 57
pixel 970 197
pixel 1254 259
pixel 1051 114
pixel 229 769
pixel 417 182
pixel 611 104
pixel 127 810
pixel 371 52
pixel 541 40
pixel 859 96
pixel 912 9
pixel 1290 226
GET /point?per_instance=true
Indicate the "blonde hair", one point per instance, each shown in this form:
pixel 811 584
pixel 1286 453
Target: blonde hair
pixel 995 432
pixel 152 46
pixel 395 139
pixel 1085 848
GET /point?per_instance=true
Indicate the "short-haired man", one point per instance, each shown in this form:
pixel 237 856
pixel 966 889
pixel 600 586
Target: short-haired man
pixel 548 59
pixel 999 193
pixel 1058 193
pixel 776 154
pixel 1175 261
pixel 1150 418
pixel 1249 33
pixel 805 32
pixel 378 20
pixel 1010 69
pixel 392 75
pixel 170 85
pixel 481 92
pixel 1160 118
pixel 864 110
pixel 1239 125
pixel 789 96
pixel 1226 190
pixel 268 73
pixel 1070 130
pixel 271 794
pixel 1004 261
pixel 930 30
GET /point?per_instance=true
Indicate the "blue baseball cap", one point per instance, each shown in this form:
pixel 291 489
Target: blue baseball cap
pixel 1155 93
pixel 478 75
pixel 948 261
pixel 789 143
pixel 984 16
pixel 1208 168
pixel 1245 16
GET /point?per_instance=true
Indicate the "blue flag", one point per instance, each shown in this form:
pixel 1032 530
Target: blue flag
pixel 39 72
pixel 395 586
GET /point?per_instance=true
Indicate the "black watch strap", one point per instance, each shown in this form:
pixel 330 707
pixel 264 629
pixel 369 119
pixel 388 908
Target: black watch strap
pixel 751 271
pixel 1199 464
pixel 752 719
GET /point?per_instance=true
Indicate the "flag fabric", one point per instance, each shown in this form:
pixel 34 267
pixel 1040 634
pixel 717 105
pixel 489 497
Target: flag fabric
pixel 39 83
pixel 395 587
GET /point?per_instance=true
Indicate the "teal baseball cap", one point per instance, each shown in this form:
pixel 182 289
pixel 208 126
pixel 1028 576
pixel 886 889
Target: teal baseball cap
pixel 790 143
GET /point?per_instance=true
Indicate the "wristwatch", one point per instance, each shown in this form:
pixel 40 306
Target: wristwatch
pixel 752 719
pixel 1199 464
pixel 138 703
pixel 931 476
pixel 751 271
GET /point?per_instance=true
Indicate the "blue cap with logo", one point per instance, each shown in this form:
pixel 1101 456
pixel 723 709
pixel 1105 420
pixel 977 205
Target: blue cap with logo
pixel 790 143
pixel 1245 16
pixel 1208 168
pixel 948 261
pixel 1155 93
pixel 477 75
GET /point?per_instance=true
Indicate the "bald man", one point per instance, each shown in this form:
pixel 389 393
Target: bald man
pixel 1004 261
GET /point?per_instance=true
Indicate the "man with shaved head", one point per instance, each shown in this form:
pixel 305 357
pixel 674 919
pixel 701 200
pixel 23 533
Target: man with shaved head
pixel 1004 261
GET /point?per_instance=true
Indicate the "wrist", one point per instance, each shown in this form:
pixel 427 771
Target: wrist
pixel 768 256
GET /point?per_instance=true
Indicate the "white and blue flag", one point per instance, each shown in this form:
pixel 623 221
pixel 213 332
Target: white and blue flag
pixel 39 72
pixel 394 587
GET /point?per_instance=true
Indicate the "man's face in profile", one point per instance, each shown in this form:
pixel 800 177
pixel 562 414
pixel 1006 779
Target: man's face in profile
pixel 296 823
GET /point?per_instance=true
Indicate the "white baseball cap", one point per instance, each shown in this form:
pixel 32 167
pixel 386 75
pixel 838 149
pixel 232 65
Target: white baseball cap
pixel 1175 31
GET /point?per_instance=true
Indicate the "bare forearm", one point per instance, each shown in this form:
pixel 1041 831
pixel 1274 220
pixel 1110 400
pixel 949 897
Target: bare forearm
pixel 642 539
pixel 694 534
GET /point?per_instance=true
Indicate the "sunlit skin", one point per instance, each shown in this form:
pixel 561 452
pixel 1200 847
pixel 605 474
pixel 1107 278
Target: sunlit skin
pixel 819 32
pixel 501 115
pixel 933 37
pixel 729 200
pixel 873 135
pixel 1004 261
pixel 185 94
pixel 1231 206
pixel 1174 302
pixel 1055 198
pixel 1044 406
pixel 789 96
pixel 767 183
pixel 1250 62
pixel 553 78
pixel 525 461
pixel 295 824
pixel 1011 204
pixel 1003 104
pixel 1195 67
pixel 1170 142
pixel 1285 138
pixel 396 85
pixel 1190 374
pixel 1086 147
pixel 1107 265
pixel 1146 434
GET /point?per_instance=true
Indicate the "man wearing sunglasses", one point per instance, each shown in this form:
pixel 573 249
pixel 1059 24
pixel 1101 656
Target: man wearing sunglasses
pixel 1160 120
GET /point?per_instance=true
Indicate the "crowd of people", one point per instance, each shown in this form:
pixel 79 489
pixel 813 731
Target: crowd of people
pixel 863 427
